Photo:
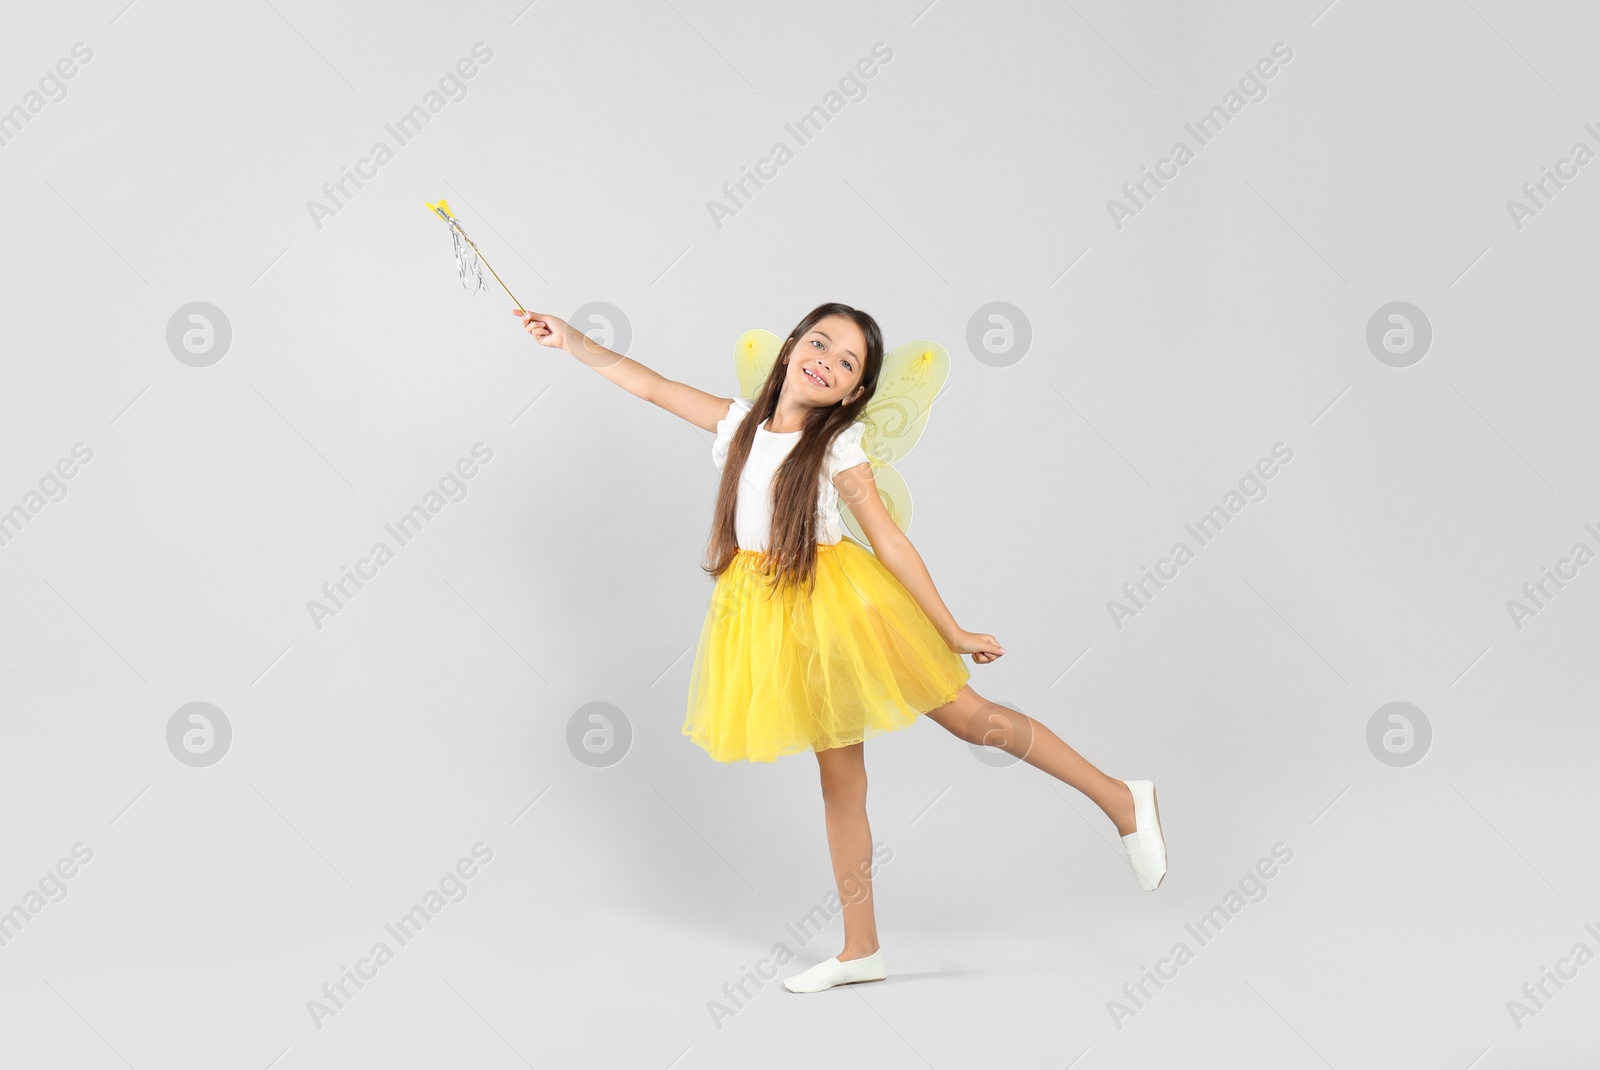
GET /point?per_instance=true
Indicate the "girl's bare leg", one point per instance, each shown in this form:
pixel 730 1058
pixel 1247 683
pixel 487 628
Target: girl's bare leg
pixel 844 796
pixel 974 719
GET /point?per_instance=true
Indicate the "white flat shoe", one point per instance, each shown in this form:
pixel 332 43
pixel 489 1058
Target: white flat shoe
pixel 825 975
pixel 1147 851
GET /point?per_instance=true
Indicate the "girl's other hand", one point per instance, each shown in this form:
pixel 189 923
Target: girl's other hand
pixel 546 330
pixel 983 648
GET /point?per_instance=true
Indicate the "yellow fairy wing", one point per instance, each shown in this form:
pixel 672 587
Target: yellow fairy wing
pixel 911 377
pixel 753 356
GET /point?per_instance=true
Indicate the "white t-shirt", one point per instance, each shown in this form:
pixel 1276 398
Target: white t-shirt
pixel 753 511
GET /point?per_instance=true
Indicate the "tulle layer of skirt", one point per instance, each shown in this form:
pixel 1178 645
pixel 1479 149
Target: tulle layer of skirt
pixel 778 672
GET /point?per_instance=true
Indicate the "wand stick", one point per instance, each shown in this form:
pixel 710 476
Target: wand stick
pixel 442 210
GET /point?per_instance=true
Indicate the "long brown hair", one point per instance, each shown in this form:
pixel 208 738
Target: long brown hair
pixel 791 555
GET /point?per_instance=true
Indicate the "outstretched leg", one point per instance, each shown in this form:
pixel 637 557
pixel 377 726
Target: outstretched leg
pixel 844 797
pixel 971 717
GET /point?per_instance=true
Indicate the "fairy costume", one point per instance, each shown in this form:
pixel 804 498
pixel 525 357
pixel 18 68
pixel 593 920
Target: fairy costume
pixel 782 671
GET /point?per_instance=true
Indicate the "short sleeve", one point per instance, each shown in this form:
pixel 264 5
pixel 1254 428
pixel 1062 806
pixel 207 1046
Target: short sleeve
pixel 725 428
pixel 846 451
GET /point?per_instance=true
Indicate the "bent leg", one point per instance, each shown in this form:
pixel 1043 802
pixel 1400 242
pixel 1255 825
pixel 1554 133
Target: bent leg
pixel 974 719
pixel 844 797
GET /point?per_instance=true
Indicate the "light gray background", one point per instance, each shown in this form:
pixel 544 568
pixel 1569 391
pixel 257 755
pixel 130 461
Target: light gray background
pixel 433 713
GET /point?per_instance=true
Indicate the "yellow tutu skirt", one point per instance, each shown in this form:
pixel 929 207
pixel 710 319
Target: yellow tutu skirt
pixel 778 672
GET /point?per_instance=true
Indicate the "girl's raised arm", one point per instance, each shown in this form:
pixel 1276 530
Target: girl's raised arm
pixel 697 406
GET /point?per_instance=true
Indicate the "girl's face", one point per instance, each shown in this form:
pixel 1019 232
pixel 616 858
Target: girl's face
pixel 825 364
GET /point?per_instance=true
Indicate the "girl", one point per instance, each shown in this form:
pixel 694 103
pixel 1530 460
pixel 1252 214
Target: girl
pixel 811 642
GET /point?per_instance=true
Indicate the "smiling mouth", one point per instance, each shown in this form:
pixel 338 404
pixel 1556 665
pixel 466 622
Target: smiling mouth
pixel 814 377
